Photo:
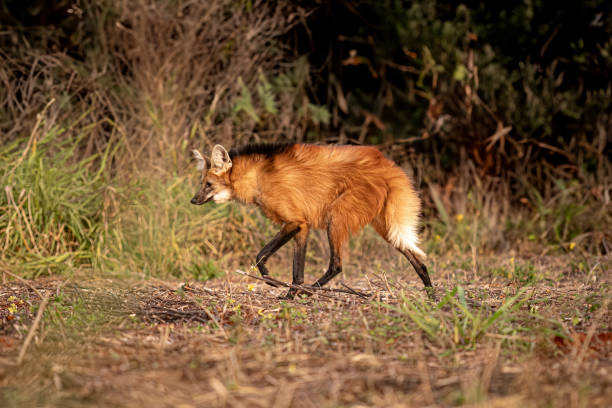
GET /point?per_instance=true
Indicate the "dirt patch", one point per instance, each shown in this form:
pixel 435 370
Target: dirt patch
pixel 232 342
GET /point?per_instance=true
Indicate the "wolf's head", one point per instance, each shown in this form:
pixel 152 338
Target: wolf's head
pixel 215 176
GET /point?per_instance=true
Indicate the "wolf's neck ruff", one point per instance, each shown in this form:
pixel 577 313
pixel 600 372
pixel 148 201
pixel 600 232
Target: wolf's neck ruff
pixel 264 149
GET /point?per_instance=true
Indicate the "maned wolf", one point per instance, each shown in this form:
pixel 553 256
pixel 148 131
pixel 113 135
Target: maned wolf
pixel 337 188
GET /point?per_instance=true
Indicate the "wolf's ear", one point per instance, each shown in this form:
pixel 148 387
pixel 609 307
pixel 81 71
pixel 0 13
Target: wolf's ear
pixel 220 159
pixel 202 163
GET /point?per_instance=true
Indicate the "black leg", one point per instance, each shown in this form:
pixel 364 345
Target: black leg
pixel 335 267
pixel 421 270
pixel 299 258
pixel 419 267
pixel 335 262
pixel 285 234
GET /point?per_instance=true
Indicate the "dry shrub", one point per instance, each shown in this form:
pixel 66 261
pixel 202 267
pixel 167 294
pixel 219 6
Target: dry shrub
pixel 122 90
pixel 184 63
pixel 158 75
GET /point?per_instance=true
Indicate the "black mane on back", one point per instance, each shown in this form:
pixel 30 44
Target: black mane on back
pixel 266 149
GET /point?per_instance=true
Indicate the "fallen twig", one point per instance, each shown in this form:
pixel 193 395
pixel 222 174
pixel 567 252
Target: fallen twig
pixel 33 328
pixel 189 315
pixel 28 284
pixel 308 289
pixel 352 291
pixel 210 315
pixel 276 282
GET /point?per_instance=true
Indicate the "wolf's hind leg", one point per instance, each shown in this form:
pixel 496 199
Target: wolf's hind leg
pixel 337 236
pixel 420 268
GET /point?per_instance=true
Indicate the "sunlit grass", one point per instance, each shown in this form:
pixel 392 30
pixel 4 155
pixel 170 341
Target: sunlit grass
pixel 52 203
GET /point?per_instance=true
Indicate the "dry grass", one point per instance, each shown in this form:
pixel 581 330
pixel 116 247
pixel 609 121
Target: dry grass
pixel 156 76
pixel 231 342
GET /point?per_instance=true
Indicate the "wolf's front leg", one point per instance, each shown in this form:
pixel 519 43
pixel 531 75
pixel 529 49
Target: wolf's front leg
pixel 299 259
pixel 286 233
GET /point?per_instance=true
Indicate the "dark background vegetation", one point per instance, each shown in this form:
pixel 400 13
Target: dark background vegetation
pixel 500 111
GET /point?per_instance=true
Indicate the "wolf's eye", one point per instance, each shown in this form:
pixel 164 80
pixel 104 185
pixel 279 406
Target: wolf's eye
pixel 208 185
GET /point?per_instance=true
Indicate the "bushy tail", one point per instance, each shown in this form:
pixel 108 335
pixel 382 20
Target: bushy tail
pixel 402 215
pixel 405 238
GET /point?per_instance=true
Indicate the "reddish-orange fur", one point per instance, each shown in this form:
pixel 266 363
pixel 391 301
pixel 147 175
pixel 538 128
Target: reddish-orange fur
pixel 313 185
pixel 337 188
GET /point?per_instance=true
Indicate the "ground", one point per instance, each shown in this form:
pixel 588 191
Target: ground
pixel 528 332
